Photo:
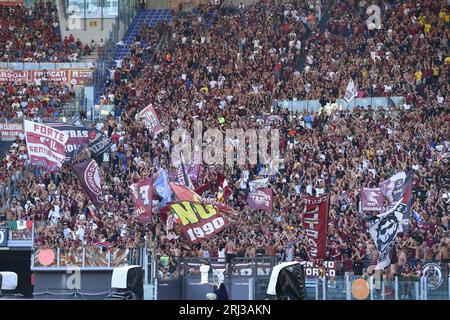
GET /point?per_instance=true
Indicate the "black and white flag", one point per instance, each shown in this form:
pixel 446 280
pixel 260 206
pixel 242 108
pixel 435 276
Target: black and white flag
pixel 99 144
pixel 384 230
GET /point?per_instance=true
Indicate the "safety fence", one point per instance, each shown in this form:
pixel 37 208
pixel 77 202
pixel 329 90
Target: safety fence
pixel 424 287
pixel 84 257
pixel 316 106
pixel 248 278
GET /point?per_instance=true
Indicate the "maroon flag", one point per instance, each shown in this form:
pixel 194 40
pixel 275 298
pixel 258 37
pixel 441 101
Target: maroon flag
pixel 89 176
pixel 193 172
pixel 371 199
pixel 315 223
pixel 78 135
pixel 143 197
pixel 261 199
pixel 46 145
pixel 203 188
pixel 223 190
pixel 151 119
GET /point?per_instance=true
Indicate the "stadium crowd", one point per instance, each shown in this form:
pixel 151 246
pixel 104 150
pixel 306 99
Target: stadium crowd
pixel 33 35
pixel 228 76
pixel 42 99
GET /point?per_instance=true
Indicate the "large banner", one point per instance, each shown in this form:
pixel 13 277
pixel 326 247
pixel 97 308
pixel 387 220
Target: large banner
pixel 315 223
pixel 384 229
pixel 13 76
pixel 66 76
pixel 198 221
pixel 99 144
pixel 143 197
pixel 58 76
pixel 251 269
pixel 46 145
pixel 151 119
pixel 243 269
pixel 261 199
pixel 10 130
pixel 80 76
pixel 371 199
pixel 77 137
pixel 89 176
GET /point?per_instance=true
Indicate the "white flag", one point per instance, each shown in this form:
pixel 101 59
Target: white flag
pixel 258 184
pixel 351 92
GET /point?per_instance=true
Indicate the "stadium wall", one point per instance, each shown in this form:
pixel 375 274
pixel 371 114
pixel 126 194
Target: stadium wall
pixel 57 284
pixel 18 261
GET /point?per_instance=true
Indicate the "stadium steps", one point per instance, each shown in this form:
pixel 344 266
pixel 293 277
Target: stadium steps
pixel 148 17
pixel 90 58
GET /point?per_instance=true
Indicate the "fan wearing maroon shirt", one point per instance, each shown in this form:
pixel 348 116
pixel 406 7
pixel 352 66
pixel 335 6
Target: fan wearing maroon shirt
pixel 336 252
pixel 358 260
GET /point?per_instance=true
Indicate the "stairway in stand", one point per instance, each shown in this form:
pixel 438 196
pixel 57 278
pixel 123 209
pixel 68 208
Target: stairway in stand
pixel 148 17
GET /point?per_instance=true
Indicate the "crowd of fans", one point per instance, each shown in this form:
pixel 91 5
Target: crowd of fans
pixel 233 71
pixel 32 34
pixel 42 99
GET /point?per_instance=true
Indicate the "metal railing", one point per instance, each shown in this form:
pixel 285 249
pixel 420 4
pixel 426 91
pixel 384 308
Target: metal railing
pixel 315 106
pixel 255 274
pixel 87 258
pixel 398 288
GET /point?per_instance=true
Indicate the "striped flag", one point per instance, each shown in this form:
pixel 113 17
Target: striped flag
pixel 20 225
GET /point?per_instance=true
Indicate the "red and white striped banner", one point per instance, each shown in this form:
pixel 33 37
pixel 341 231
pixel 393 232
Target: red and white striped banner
pixel 46 145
